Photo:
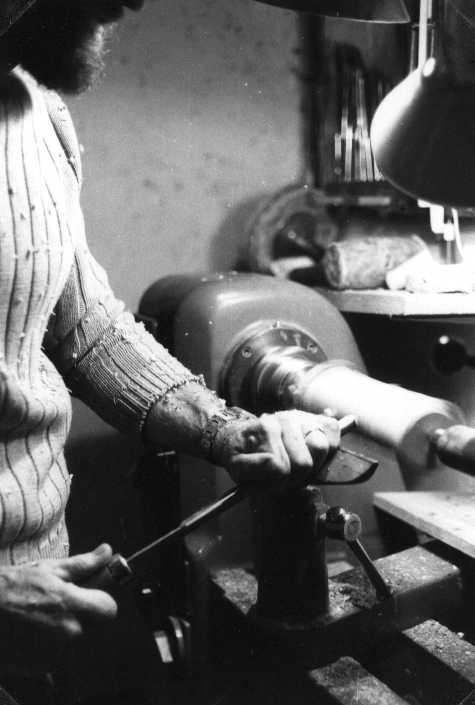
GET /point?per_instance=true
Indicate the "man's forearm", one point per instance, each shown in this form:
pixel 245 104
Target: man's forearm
pixel 179 420
pixel 265 449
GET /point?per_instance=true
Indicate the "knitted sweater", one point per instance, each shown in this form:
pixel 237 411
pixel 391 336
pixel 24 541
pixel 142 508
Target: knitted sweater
pixel 50 282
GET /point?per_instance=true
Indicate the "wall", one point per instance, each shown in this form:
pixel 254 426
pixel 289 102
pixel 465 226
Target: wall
pixel 197 115
pixel 198 112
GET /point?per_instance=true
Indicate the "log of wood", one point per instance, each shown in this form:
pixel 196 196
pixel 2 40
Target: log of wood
pixel 362 263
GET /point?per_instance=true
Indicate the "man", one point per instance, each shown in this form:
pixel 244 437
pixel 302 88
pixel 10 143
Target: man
pixel 61 325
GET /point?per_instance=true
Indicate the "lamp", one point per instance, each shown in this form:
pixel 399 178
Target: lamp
pixel 391 11
pixel 423 137
pixel 423 132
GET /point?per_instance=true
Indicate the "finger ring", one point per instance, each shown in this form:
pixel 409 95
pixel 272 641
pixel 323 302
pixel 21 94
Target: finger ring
pixel 252 442
pixel 312 430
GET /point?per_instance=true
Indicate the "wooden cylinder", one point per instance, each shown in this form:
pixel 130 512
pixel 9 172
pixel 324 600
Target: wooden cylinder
pixel 362 263
pixel 392 415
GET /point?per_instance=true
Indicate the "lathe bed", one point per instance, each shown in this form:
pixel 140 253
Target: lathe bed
pixel 415 650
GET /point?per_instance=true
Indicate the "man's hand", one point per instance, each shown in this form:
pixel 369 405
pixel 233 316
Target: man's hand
pixel 43 610
pixel 273 448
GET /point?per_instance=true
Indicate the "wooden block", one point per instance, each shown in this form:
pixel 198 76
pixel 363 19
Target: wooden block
pixel 428 664
pixel 347 683
pixel 449 517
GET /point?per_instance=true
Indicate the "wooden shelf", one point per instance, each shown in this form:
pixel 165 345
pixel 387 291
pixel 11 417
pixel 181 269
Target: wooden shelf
pixel 382 302
pixel 447 516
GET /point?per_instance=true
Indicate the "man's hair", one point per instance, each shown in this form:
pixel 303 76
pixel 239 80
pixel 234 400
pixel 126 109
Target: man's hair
pixel 62 44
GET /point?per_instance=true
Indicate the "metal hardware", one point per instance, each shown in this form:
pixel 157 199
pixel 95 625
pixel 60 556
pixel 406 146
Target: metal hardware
pixel 343 525
pixel 265 362
pixel 450 355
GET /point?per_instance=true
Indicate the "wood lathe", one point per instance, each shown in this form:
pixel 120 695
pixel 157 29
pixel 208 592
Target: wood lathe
pixel 265 345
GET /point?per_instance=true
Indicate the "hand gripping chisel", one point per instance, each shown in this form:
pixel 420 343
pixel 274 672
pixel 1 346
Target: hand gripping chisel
pixel 345 467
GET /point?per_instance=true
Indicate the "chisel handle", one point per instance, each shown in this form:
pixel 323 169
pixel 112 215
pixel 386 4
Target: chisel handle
pixel 455 446
pixel 115 573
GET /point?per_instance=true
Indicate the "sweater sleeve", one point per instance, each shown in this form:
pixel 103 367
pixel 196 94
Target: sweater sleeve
pixel 106 358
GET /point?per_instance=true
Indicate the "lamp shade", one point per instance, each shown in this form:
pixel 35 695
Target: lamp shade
pixel 423 137
pixel 392 11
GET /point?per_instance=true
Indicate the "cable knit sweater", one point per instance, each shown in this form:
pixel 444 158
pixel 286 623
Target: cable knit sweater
pixel 60 324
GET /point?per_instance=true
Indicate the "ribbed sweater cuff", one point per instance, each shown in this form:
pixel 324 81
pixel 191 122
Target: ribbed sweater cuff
pixel 125 374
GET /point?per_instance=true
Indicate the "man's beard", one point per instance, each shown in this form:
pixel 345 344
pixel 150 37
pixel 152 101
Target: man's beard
pixel 62 44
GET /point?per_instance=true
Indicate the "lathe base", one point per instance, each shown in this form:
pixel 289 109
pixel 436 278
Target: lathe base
pixel 406 650
pixel 424 586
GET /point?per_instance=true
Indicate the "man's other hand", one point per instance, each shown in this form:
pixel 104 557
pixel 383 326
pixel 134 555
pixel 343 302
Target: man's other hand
pixel 43 609
pixel 279 447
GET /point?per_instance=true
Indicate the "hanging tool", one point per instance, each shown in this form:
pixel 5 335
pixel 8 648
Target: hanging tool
pixel 363 126
pixel 345 467
pixel 346 129
pixel 353 156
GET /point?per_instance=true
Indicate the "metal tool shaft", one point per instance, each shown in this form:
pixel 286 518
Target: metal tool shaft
pixel 228 500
